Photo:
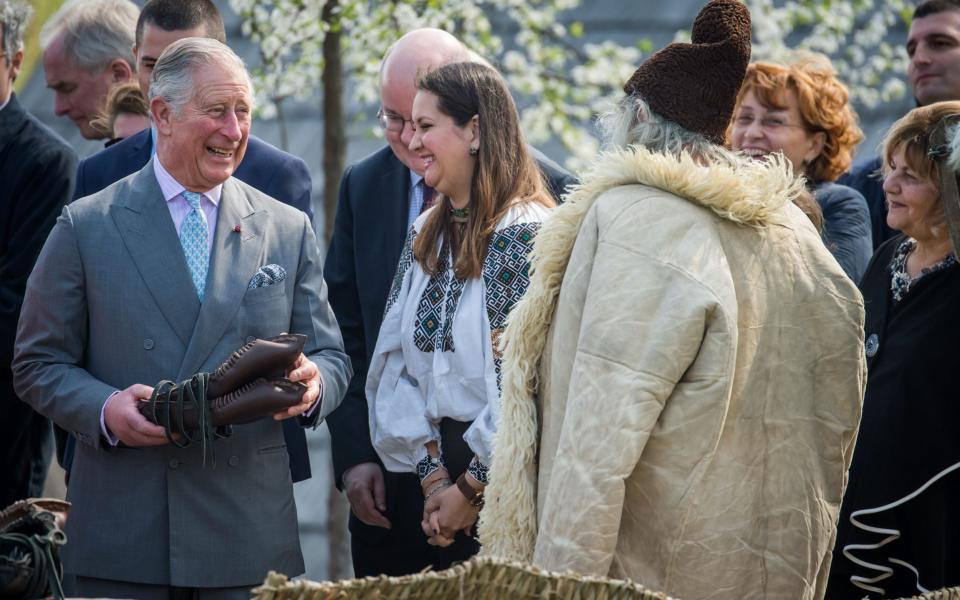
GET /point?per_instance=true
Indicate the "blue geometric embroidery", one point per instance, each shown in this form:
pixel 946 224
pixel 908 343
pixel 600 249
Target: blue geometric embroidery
pixel 406 259
pixel 506 270
pixel 430 309
pixel 506 277
pixel 453 300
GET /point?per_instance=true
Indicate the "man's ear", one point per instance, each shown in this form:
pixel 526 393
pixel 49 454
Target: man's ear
pixel 120 70
pixel 15 64
pixel 162 114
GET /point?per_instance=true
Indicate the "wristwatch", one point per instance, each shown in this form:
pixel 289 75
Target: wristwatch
pixel 474 497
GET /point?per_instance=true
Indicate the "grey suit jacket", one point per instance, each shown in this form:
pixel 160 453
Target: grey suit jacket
pixel 109 304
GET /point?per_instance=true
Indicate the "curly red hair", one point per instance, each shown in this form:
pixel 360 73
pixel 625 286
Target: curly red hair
pixel 824 104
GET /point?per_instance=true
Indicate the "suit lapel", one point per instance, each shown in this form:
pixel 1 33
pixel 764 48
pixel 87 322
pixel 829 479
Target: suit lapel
pixel 234 260
pixel 396 179
pixel 12 120
pixel 144 222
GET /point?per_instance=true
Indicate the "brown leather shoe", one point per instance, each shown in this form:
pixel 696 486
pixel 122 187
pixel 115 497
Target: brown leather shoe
pixel 256 400
pixel 259 398
pixel 268 359
pixel 166 409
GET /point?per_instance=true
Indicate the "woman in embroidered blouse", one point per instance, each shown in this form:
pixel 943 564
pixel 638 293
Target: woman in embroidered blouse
pixel 899 533
pixel 434 380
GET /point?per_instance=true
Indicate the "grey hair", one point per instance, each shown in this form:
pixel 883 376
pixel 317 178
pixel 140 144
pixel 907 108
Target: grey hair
pixel 953 139
pixel 172 78
pixel 630 122
pixel 95 32
pixel 14 15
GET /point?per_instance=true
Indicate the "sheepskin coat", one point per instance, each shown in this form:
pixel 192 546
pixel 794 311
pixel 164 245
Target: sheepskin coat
pixel 682 385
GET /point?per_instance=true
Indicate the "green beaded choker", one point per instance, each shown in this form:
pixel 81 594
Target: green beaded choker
pixel 460 213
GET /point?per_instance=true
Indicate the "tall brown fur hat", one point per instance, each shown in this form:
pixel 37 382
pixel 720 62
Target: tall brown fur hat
pixel 695 85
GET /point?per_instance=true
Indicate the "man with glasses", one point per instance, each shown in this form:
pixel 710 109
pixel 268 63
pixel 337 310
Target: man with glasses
pixel 380 197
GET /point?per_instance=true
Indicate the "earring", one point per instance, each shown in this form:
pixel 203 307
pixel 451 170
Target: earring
pixel 474 151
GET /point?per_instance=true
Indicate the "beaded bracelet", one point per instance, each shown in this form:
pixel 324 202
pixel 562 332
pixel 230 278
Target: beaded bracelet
pixel 439 486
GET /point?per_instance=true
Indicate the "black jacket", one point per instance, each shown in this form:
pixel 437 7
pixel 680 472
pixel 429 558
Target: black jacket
pixel 907 439
pixel 36 180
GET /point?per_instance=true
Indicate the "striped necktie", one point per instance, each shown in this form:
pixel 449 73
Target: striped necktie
pixel 193 238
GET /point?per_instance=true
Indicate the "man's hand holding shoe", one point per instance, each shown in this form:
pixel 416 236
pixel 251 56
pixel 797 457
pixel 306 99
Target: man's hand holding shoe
pixel 124 421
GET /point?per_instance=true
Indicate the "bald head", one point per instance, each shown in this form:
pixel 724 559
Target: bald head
pixel 417 52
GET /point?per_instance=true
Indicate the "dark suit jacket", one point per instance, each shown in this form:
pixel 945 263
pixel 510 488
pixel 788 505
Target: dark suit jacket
pixel 277 174
pixel 369 232
pixel 36 179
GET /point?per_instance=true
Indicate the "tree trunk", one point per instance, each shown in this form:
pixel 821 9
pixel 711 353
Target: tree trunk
pixel 334 131
pixel 334 157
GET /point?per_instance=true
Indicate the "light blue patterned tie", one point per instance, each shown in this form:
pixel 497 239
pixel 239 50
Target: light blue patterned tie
pixel 193 238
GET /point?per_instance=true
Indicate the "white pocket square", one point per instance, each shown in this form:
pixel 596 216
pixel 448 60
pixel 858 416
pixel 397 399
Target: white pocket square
pixel 267 275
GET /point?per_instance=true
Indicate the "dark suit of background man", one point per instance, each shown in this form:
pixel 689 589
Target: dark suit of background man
pixel 36 180
pixel 933 45
pixel 272 171
pixel 159 276
pixel 380 196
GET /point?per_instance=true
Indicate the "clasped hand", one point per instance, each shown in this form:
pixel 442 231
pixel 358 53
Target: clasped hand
pixel 446 512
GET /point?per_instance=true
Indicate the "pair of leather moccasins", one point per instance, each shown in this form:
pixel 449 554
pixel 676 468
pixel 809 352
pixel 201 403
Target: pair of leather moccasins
pixel 249 385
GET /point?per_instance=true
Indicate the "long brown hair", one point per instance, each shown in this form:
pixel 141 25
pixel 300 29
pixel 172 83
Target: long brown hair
pixel 505 173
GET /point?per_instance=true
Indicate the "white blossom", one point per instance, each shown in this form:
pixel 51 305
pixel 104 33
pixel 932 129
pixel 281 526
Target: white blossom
pixel 560 82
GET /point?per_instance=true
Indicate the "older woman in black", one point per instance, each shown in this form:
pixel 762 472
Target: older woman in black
pixel 899 530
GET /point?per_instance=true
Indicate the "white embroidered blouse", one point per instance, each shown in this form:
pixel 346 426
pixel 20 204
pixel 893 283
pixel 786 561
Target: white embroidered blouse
pixel 435 353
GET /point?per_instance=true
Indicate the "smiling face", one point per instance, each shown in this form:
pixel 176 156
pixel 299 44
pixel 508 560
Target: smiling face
pixel 202 146
pixel 913 201
pixel 759 130
pixel 396 96
pixel 934 49
pixel 444 147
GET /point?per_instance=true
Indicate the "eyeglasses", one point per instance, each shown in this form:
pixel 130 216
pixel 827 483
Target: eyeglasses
pixel 394 123
pixel 770 123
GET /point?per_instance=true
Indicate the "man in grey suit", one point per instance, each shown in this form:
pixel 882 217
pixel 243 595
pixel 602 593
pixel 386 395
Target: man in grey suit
pixel 155 277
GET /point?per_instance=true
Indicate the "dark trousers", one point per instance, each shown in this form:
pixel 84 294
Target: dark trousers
pixel 90 587
pixel 403 549
pixel 26 447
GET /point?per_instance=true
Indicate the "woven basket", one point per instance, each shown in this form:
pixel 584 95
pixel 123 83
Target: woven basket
pixel 478 579
pixel 944 594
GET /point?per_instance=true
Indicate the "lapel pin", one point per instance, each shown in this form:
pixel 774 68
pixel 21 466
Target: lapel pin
pixel 236 228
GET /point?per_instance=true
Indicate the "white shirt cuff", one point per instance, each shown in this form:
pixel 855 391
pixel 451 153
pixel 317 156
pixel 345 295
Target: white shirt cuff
pixel 104 431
